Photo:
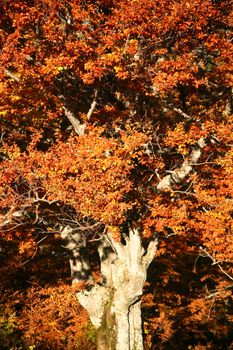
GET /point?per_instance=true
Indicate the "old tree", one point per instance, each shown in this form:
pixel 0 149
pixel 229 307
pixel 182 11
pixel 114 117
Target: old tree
pixel 116 139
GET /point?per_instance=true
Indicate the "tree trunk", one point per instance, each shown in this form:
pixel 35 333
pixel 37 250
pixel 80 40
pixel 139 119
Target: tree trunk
pixel 135 320
pixel 114 306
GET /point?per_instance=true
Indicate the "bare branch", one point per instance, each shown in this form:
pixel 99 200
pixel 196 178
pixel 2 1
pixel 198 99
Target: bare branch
pixel 77 125
pixel 116 246
pixel 186 116
pixel 215 262
pixel 12 75
pixel 151 250
pixel 179 174
pixel 214 293
pixel 93 105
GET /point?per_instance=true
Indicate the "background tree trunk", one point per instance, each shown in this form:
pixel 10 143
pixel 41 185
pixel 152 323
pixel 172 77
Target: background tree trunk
pixel 78 255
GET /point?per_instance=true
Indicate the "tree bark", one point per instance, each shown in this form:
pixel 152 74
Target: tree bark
pixel 135 320
pixel 114 306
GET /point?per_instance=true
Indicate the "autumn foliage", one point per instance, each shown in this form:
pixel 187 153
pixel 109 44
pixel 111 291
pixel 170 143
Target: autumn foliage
pixel 99 102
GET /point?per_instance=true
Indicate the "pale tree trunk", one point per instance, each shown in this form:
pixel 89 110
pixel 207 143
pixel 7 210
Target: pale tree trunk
pixel 135 320
pixel 114 306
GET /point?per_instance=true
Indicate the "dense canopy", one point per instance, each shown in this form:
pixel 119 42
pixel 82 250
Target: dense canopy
pixel 116 118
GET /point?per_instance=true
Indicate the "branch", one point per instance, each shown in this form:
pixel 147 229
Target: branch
pixel 215 262
pixel 117 247
pixel 78 127
pixel 217 292
pixel 179 174
pixel 12 76
pixel 93 105
pixel 151 250
pixel 186 116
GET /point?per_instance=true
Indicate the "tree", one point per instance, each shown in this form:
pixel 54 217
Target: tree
pixel 117 131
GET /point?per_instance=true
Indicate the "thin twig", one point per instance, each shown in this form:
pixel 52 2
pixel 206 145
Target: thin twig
pixel 215 262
